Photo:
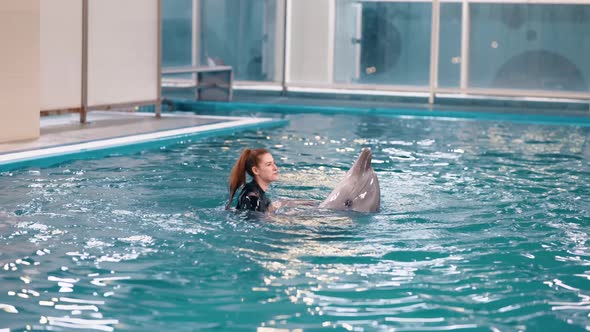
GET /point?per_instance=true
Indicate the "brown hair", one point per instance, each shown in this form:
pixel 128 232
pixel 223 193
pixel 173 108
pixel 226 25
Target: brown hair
pixel 248 159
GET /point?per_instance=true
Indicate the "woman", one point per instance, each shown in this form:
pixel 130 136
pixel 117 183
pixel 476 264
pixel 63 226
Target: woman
pixel 260 165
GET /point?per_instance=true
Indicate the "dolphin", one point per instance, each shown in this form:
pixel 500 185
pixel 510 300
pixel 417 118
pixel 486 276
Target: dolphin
pixel 359 190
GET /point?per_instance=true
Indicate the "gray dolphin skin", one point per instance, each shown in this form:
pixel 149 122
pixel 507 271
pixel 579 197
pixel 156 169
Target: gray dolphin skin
pixel 359 190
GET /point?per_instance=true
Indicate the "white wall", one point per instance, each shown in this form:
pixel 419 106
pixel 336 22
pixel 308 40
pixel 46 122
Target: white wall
pixel 311 42
pixel 19 70
pixel 122 51
pixel 61 54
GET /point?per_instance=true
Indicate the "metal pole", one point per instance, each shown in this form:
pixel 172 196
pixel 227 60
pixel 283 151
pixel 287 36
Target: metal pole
pixel 434 43
pixel 195 42
pixel 84 95
pixel 195 36
pixel 465 29
pixel 239 42
pixel 159 61
pixel 285 48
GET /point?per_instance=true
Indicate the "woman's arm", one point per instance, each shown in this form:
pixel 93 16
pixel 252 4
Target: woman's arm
pixel 292 203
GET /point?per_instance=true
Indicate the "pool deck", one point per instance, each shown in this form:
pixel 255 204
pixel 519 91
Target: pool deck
pixel 64 135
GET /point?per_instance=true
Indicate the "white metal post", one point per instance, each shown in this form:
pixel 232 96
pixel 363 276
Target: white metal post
pixel 84 95
pixel 286 47
pixel 159 61
pixel 279 44
pixel 434 45
pixel 195 41
pixel 195 38
pixel 465 29
pixel 358 35
pixel 331 39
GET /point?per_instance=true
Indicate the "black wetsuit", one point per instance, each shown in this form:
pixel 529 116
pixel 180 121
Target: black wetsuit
pixel 253 198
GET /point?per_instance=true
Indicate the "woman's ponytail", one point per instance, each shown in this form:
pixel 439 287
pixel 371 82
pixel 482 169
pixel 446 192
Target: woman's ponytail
pixel 237 177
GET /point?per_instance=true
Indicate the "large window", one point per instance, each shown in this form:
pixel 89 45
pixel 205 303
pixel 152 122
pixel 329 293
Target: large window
pixel 527 46
pixel 177 33
pixel 383 43
pixel 237 33
pixel 491 48
pixel 240 33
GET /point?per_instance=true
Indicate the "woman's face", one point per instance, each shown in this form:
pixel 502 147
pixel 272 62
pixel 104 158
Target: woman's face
pixel 266 169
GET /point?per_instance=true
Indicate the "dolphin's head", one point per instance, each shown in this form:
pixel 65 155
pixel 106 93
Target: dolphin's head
pixel 362 163
pixel 359 190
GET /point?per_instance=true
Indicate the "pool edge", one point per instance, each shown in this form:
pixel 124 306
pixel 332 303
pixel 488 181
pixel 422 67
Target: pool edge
pixel 48 156
pixel 525 117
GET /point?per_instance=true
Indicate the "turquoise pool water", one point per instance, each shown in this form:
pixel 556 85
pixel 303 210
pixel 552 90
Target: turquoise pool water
pixel 483 227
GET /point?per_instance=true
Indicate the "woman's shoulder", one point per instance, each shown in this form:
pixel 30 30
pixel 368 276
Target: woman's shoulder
pixel 252 186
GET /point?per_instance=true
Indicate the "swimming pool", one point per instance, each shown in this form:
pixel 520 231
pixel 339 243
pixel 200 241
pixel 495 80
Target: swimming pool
pixel 483 227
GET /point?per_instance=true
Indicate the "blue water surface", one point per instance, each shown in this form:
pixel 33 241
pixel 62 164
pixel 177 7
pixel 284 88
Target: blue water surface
pixel 483 227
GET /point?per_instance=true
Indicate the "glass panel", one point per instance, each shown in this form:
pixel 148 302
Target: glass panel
pixel 520 46
pixel 394 43
pixel 176 33
pixel 347 41
pixel 449 54
pixel 241 34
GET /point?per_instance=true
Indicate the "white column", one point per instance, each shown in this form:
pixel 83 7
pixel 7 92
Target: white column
pixel 310 48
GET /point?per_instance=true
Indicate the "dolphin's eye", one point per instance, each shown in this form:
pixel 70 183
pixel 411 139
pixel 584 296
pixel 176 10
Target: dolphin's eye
pixel 348 203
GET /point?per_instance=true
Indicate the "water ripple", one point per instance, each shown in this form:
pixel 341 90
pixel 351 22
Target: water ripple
pixel 483 226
